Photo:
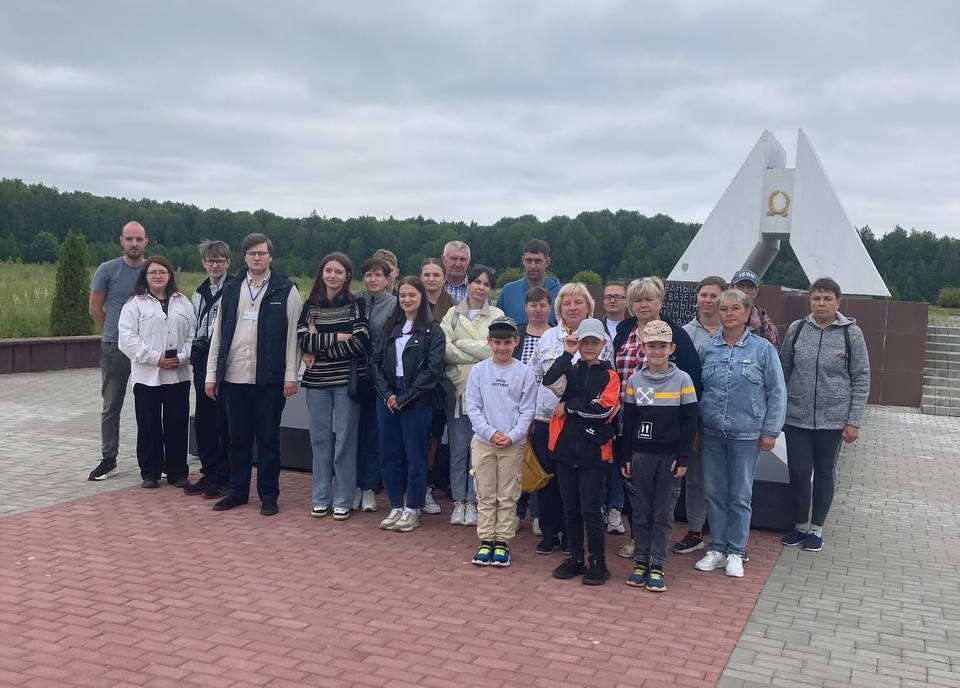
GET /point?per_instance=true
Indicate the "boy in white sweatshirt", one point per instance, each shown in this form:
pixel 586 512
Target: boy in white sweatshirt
pixel 501 399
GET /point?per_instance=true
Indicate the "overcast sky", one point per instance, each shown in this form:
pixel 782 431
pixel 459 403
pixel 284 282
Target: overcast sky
pixel 475 111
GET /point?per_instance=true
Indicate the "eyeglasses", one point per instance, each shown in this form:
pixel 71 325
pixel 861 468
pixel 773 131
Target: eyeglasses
pixel 157 273
pixel 216 261
pixel 258 254
pixel 614 297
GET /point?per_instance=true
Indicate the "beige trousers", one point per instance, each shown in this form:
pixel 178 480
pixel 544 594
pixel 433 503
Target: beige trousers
pixel 496 478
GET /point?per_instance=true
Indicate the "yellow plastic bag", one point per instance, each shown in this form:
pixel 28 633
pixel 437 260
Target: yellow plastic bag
pixel 532 477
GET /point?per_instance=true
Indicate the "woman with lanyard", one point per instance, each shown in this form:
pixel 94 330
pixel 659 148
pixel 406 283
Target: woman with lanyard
pixel 645 302
pixel 406 371
pixel 156 328
pixel 465 328
pixel 332 333
pixel 573 305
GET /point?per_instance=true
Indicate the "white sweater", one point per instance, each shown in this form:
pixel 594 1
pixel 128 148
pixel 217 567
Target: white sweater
pixel 501 399
pixel 146 332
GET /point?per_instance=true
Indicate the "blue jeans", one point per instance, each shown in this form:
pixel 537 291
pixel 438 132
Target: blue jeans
pixel 728 470
pixel 333 437
pixel 459 433
pixel 695 501
pixel 653 494
pixel 614 486
pixel 253 414
pixel 368 447
pixel 403 442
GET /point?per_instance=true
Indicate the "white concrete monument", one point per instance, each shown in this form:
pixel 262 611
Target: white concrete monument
pixel 765 203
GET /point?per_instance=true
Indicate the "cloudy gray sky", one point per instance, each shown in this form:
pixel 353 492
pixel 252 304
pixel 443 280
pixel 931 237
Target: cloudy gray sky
pixel 475 111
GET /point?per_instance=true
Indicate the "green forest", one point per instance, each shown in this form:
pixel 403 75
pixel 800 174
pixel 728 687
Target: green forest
pixel 35 219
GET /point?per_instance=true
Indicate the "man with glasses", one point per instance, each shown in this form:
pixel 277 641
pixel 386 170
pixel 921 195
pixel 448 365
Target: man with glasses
pixel 210 415
pixel 253 363
pixel 456 260
pixel 535 256
pixel 111 286
pixel 614 306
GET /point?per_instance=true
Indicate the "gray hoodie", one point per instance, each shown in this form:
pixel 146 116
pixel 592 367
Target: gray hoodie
pixel 379 309
pixel 821 393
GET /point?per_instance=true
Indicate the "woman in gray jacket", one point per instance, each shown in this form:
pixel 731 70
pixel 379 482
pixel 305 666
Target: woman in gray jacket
pixel 827 371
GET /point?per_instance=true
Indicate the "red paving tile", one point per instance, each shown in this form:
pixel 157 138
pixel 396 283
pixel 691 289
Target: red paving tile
pixel 152 588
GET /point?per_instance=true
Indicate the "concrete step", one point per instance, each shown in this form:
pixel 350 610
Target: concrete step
pixel 944 389
pixel 940 411
pixel 941 382
pixel 936 400
pixel 942 329
pixel 940 345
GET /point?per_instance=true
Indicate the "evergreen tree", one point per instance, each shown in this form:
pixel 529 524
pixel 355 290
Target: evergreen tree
pixel 69 314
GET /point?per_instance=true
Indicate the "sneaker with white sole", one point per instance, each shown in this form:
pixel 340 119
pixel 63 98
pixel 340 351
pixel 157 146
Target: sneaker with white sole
pixel 340 513
pixel 459 514
pixel 368 501
pixel 319 511
pixel 793 538
pixel 615 522
pixel 536 527
pixel 390 522
pixel 357 499
pixel 691 542
pixel 430 505
pixel 711 560
pixel 735 566
pixel 409 520
pixel 107 468
pixel 627 550
pixel 470 515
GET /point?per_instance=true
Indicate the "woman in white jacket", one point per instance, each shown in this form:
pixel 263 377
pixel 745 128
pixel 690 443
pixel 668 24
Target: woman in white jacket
pixel 156 330
pixel 465 326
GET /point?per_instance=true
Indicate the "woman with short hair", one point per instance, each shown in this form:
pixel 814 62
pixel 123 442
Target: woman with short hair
pixel 741 413
pixel 827 370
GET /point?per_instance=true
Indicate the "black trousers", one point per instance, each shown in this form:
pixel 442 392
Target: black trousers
pixel 210 430
pixel 550 502
pixel 812 452
pixel 582 491
pixel 253 413
pixel 163 414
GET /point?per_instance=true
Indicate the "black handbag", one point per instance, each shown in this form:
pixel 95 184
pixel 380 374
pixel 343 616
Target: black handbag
pixel 359 385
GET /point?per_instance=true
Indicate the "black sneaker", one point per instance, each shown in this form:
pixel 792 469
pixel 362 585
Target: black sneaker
pixel 598 573
pixel 229 502
pixel 215 490
pixel 183 482
pixel 691 542
pixel 548 545
pixel 150 483
pixel 199 487
pixel 571 568
pixel 105 469
pixel 269 508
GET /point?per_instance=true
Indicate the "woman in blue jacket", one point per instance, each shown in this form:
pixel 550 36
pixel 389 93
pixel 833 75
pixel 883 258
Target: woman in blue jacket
pixel 741 413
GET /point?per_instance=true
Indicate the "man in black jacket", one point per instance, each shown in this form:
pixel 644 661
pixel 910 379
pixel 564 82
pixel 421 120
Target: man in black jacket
pixel 253 363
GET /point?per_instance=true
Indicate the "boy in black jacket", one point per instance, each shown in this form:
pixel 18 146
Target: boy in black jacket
pixel 581 434
pixel 659 424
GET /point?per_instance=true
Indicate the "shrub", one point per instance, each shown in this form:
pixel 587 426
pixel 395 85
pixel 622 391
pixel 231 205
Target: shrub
pixel 510 274
pixel 949 297
pixel 588 277
pixel 69 313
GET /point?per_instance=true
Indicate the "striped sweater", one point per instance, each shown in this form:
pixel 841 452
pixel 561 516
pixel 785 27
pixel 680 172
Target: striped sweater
pixel 331 366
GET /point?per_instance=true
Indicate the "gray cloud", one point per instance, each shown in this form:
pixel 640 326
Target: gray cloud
pixel 473 111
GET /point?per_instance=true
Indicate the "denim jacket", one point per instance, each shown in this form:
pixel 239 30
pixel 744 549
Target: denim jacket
pixel 744 396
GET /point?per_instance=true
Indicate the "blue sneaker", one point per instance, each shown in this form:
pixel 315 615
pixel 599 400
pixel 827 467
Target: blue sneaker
pixel 813 542
pixel 638 578
pixel 501 555
pixel 484 555
pixel 793 538
pixel 655 582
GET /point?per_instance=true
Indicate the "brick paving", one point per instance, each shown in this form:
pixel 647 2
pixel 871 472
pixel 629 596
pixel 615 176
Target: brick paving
pixel 105 584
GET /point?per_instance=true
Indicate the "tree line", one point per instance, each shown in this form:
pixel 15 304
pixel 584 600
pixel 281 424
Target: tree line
pixel 35 220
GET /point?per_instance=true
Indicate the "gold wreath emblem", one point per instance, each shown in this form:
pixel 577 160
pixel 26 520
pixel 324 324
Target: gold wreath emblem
pixel 772 209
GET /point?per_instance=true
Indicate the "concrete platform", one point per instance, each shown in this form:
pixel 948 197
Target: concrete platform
pixel 106 584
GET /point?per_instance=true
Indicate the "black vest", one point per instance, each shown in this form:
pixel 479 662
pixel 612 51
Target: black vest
pixel 271 327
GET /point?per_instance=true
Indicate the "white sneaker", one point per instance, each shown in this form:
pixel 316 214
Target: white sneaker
pixel 369 501
pixel 711 560
pixel 357 499
pixel 735 565
pixel 409 520
pixel 615 521
pixel 470 517
pixel 430 505
pixel 536 527
pixel 340 514
pixel 459 514
pixel 516 524
pixel 390 522
pixel 626 550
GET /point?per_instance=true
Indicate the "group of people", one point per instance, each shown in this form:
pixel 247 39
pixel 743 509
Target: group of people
pixel 617 409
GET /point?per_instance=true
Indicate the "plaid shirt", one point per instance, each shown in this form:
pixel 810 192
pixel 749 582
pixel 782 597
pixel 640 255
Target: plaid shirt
pixel 629 359
pixel 458 292
pixel 529 346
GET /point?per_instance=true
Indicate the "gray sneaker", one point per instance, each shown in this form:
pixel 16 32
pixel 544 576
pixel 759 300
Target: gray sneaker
pixel 408 521
pixel 390 522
